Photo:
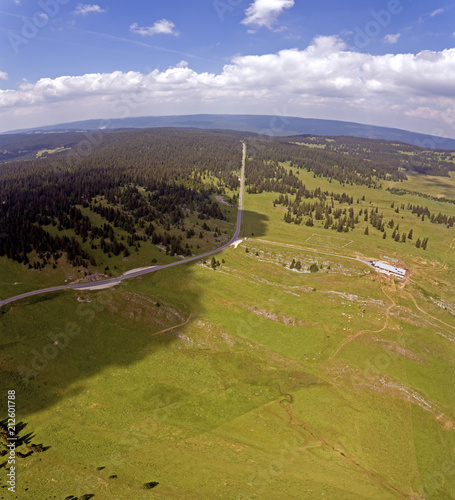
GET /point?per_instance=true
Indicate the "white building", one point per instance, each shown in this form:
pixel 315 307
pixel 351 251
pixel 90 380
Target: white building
pixel 384 268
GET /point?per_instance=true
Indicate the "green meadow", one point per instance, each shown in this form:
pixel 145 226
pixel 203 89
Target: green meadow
pixel 253 380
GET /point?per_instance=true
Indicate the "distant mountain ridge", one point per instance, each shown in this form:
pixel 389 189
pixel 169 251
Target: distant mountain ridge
pixel 262 124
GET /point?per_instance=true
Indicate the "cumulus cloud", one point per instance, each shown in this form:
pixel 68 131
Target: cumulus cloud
pixel 326 77
pixel 161 27
pixel 391 39
pixel 265 12
pixel 85 9
pixel 3 75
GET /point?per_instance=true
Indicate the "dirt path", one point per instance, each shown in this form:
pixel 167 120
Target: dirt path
pixel 363 332
pixel 443 266
pixel 172 327
pixel 428 314
pixel 286 404
pixel 293 247
pixel 451 247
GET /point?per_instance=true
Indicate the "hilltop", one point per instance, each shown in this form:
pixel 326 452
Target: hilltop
pixel 272 125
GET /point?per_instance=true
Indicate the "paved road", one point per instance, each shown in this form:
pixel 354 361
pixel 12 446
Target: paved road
pixel 133 274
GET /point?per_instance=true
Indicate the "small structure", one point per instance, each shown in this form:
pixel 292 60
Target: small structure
pixel 389 270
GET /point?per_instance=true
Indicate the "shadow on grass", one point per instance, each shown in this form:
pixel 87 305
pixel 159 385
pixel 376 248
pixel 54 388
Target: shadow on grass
pixel 23 445
pixel 52 343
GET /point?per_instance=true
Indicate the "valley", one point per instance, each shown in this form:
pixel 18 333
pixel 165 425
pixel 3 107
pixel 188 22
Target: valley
pixel 282 366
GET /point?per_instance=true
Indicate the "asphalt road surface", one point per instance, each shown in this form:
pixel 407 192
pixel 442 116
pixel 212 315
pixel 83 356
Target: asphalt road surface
pixel 140 272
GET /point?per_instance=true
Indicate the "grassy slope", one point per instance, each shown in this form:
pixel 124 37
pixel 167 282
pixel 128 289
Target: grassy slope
pixel 263 393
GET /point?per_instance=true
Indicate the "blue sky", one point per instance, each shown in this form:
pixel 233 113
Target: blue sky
pixel 383 62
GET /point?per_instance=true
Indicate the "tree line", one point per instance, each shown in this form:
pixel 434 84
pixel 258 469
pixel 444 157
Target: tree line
pixel 135 180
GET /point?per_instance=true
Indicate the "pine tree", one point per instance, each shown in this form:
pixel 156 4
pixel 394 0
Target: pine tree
pixel 410 235
pixel 313 268
pixel 418 243
pixel 366 231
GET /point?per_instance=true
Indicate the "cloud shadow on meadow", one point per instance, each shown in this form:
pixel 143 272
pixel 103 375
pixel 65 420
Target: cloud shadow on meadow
pixel 53 343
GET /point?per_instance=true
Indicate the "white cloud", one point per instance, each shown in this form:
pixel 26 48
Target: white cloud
pixel 391 39
pixel 325 79
pixel 85 9
pixel 436 12
pixel 265 12
pixel 3 75
pixel 161 27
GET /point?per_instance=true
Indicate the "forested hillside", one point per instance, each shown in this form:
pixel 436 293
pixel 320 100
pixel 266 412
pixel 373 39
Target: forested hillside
pixel 83 196
pixel 276 166
pixel 384 156
pixel 142 182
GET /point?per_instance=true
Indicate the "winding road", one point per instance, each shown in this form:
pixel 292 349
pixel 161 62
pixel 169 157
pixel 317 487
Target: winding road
pixel 140 272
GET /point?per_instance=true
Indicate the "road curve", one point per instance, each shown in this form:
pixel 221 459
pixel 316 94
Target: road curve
pixel 134 274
